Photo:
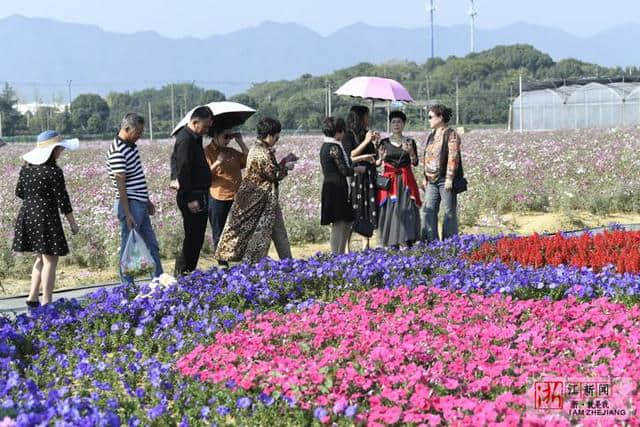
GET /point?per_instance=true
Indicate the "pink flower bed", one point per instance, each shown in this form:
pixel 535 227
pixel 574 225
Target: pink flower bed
pixel 429 356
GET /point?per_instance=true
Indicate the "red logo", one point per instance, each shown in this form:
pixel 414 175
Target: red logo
pixel 549 395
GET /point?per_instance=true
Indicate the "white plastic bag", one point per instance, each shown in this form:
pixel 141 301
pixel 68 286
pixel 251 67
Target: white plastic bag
pixel 136 258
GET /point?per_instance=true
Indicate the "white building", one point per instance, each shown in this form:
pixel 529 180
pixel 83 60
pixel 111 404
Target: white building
pixel 33 107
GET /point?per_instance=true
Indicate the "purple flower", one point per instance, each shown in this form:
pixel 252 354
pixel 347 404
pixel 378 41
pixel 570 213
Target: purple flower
pixel 266 399
pixel 223 410
pixel 156 411
pixel 320 413
pixel 351 411
pixel 243 403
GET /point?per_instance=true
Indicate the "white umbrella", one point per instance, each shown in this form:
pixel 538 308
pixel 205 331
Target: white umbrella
pixel 233 113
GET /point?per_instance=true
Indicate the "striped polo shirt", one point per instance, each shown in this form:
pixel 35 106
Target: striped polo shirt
pixel 124 157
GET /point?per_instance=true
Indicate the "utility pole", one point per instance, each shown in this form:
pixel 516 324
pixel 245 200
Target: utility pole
pixel 184 98
pixel 457 102
pixel 330 98
pixel 150 123
pixel 173 109
pixel 473 13
pixel 520 106
pixel 431 9
pixel 69 86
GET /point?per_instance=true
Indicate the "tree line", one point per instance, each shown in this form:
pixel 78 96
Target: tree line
pixel 483 83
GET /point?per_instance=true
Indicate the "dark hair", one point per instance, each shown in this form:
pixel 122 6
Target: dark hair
pixel 333 125
pixel 397 114
pixel 442 111
pixel 218 127
pixel 268 126
pixel 355 120
pixel 201 113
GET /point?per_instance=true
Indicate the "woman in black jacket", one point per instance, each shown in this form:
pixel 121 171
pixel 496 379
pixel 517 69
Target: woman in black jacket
pixel 336 207
pixel 360 145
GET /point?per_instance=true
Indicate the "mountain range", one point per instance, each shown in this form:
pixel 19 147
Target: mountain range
pixel 40 56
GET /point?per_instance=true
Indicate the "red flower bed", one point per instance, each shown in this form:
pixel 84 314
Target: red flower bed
pixel 619 248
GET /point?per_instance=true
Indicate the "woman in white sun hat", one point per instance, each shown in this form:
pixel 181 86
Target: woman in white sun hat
pixel 38 227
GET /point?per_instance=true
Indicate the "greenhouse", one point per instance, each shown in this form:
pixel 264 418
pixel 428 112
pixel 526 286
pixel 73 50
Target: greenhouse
pixel 574 105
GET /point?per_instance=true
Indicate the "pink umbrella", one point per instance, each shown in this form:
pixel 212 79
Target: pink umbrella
pixel 375 89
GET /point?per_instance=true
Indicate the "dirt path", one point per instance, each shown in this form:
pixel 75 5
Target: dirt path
pixel 69 276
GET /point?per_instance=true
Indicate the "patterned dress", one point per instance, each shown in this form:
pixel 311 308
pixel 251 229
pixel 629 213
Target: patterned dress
pixel 256 209
pixel 363 188
pixel 38 227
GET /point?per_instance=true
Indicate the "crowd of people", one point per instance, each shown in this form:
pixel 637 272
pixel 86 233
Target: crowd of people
pixel 368 184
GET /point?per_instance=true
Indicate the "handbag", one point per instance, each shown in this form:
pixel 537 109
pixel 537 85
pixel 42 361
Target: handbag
pixel 383 182
pixel 460 185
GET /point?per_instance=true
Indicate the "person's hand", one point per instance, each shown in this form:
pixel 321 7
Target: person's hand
pixel 359 169
pixel 448 185
pixel 174 185
pixel 369 136
pixel 151 208
pixel 370 158
pixel 74 228
pixel 194 206
pixel 131 223
pixel 406 147
pixel 382 152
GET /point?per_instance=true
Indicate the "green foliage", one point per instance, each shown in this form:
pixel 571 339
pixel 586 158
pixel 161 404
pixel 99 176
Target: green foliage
pixel 89 113
pixel 487 80
pixel 12 121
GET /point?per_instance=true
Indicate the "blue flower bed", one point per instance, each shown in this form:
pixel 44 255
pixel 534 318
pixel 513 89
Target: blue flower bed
pixel 110 360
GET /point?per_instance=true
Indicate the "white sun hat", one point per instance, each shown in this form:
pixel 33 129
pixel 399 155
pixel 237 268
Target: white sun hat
pixel 47 141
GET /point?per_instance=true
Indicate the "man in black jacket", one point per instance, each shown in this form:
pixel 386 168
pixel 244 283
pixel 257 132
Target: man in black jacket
pixel 191 169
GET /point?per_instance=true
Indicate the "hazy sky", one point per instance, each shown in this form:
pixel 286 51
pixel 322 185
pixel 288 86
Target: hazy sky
pixel 202 18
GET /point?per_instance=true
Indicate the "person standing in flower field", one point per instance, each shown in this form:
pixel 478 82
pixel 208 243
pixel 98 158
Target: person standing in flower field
pixel 399 218
pixel 256 218
pixel 189 166
pixel 42 188
pixel 132 205
pixel 360 145
pixel 336 207
pixel 226 166
pixel 442 166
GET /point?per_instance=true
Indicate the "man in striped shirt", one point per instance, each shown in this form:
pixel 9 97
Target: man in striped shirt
pixel 132 205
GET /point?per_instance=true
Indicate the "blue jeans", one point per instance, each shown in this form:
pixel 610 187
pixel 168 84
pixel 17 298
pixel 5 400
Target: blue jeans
pixel 218 214
pixel 435 194
pixel 140 213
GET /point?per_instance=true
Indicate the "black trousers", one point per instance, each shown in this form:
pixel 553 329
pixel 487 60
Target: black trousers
pixel 218 213
pixel 195 226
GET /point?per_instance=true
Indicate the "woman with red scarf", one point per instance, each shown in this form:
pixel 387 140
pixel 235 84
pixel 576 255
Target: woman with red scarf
pixel 399 204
